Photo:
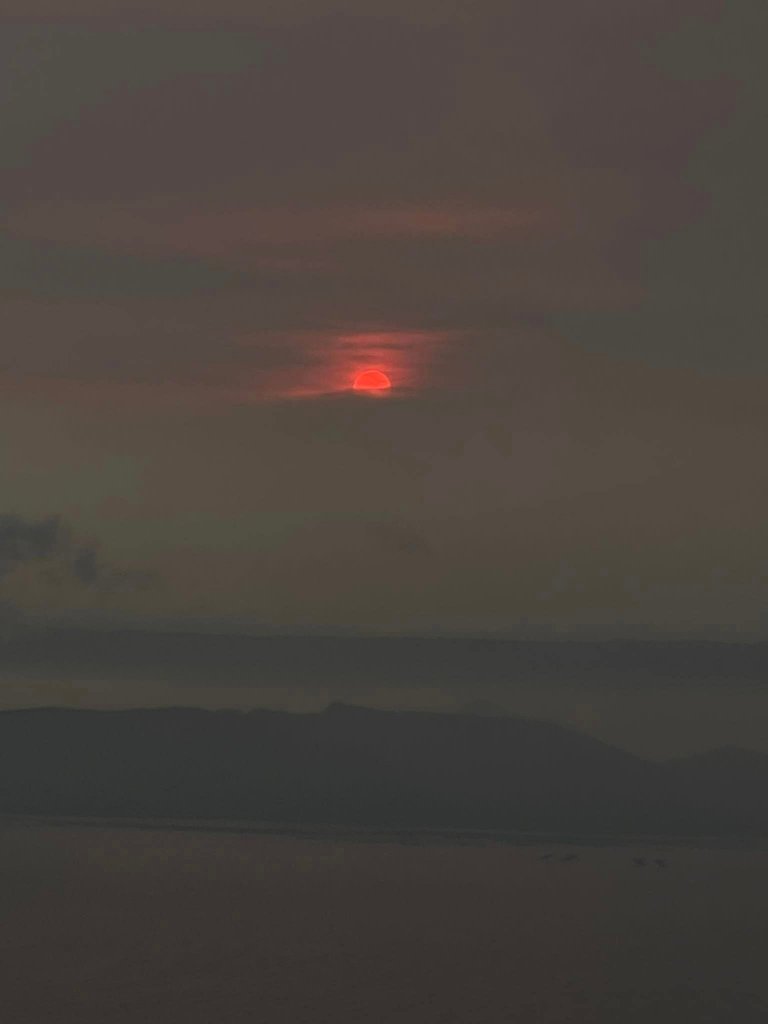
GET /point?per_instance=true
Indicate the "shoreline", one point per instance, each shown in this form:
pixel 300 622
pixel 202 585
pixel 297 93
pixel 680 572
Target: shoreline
pixel 402 836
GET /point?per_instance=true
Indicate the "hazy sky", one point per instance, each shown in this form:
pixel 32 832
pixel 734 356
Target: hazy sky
pixel 544 220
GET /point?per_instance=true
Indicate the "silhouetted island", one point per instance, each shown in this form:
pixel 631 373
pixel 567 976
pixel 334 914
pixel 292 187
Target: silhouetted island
pixel 360 767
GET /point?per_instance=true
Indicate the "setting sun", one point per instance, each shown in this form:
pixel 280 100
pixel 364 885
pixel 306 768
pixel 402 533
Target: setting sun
pixel 372 380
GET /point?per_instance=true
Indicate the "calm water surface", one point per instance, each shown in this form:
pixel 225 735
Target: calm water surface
pixel 103 925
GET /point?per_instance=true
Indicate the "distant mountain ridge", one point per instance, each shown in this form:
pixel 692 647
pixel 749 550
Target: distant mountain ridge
pixel 351 765
pixel 85 654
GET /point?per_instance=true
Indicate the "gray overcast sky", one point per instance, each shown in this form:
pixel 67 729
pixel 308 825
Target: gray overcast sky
pixel 545 220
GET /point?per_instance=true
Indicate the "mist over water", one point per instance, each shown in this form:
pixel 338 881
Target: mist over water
pixel 108 924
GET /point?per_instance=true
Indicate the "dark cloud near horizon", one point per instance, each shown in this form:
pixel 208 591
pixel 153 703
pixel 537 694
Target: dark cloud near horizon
pixel 22 541
pixel 50 543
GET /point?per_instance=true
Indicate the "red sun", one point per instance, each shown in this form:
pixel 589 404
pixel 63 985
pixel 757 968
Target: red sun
pixel 372 380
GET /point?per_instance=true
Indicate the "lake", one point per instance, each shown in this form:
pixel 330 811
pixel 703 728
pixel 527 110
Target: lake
pixel 109 924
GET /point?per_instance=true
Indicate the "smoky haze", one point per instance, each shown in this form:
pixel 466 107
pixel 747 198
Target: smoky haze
pixel 544 222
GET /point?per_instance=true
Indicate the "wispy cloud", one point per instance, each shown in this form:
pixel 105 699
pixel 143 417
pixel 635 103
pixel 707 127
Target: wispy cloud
pixel 153 227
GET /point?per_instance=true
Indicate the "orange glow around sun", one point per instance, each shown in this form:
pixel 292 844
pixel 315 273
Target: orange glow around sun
pixel 367 364
pixel 372 380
